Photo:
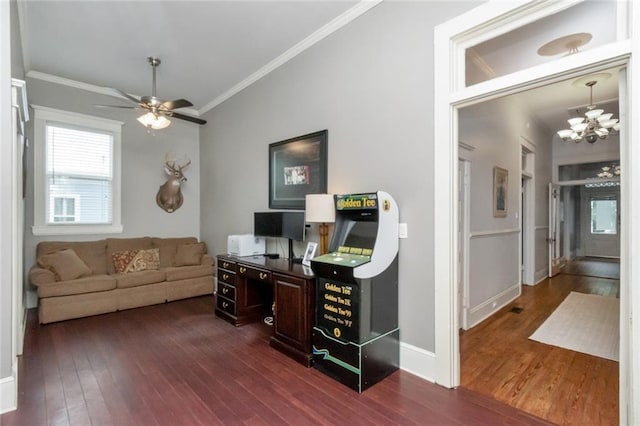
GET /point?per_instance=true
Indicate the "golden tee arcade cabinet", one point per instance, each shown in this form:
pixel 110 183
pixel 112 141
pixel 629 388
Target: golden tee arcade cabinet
pixel 356 336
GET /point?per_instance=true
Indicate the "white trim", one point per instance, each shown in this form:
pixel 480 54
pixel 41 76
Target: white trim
pixel 89 87
pixel 493 232
pixel 417 361
pixel 54 114
pixel 541 227
pixel 479 313
pixel 9 392
pixel 318 35
pixel 466 146
pixel 541 275
pixel 463 304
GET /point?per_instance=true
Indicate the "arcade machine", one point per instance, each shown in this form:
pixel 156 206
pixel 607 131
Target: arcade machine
pixel 356 336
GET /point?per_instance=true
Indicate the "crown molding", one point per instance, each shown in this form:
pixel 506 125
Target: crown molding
pixel 328 29
pixel 89 87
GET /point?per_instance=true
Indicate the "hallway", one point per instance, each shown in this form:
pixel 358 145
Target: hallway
pixel 565 387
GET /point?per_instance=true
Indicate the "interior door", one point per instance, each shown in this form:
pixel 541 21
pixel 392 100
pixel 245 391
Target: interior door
pixel 556 260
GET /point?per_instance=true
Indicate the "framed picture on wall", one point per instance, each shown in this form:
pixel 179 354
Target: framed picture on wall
pixel 297 167
pixel 500 186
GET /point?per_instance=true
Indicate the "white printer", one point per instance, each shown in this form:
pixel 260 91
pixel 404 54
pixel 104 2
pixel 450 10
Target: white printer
pixel 245 245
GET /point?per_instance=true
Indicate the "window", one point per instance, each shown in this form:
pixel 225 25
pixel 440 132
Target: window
pixel 77 173
pixel 604 216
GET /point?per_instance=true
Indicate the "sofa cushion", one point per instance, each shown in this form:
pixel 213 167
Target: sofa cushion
pixel 65 265
pixel 83 285
pixel 91 252
pixel 189 254
pixel 185 272
pixel 122 244
pixel 168 247
pixel 136 260
pixel 135 279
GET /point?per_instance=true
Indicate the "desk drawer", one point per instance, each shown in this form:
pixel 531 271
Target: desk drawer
pixel 226 305
pixel 225 264
pixel 227 291
pixel 254 273
pixel 226 277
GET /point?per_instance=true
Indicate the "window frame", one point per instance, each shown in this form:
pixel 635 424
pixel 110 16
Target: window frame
pixel 41 225
pixel 603 197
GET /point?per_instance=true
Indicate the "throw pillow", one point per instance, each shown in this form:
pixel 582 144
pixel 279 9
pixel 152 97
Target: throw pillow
pixel 189 254
pixel 65 265
pixel 136 260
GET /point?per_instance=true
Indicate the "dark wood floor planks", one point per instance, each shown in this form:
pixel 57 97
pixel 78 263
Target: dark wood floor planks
pixel 562 386
pixel 177 364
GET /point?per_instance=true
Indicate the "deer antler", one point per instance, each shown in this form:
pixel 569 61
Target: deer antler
pixel 184 165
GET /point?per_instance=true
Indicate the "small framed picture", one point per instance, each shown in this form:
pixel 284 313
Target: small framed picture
pixel 309 253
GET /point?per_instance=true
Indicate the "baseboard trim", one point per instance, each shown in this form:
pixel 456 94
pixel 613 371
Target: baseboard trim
pixel 9 392
pixel 489 307
pixel 541 275
pixel 418 361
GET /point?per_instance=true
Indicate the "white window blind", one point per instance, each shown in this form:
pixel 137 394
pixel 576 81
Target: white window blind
pixel 80 172
pixel 77 168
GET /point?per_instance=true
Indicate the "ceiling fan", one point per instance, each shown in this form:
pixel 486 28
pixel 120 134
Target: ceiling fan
pixel 158 110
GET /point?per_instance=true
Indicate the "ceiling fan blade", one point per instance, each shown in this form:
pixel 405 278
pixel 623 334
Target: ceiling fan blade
pixel 186 117
pixel 124 95
pixel 116 106
pixel 178 103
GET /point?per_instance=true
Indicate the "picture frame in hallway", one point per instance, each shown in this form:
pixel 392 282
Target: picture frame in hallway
pixel 297 167
pixel 500 190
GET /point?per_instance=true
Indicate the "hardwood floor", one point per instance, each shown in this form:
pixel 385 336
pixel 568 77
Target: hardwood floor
pixel 562 386
pixel 177 364
pixel 594 267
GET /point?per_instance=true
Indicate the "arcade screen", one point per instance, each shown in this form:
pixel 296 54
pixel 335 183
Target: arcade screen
pixel 359 238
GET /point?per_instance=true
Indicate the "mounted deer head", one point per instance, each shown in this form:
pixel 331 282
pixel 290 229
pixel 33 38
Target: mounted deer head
pixel 169 196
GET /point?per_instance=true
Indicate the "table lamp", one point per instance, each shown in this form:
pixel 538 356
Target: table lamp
pixel 320 209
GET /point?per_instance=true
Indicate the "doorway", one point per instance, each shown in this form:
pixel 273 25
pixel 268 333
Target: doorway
pixel 452 38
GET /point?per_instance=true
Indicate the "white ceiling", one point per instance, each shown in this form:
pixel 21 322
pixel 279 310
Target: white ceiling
pixel 206 47
pixel 209 49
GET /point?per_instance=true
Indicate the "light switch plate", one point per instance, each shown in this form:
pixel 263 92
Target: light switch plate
pixel 403 231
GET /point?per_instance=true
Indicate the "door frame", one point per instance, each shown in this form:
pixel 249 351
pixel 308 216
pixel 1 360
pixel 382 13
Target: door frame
pixel 464 194
pixel 450 40
pixel 528 213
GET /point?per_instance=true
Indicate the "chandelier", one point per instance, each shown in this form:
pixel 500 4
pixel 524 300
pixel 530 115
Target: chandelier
pixel 595 125
pixel 609 172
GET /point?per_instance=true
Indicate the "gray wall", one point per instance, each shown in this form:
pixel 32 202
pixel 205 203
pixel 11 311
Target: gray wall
pixel 17 66
pixel 494 129
pixel 371 85
pixel 143 157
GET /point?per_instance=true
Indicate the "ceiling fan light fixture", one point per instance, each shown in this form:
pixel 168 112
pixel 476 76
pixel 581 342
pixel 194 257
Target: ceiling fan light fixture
pixel 154 121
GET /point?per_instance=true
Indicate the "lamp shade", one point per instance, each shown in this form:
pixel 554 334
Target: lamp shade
pixel 319 208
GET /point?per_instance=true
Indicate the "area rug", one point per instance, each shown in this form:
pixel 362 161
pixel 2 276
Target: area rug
pixel 585 323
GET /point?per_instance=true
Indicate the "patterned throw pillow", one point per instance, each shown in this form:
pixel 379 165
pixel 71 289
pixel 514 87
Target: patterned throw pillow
pixel 136 260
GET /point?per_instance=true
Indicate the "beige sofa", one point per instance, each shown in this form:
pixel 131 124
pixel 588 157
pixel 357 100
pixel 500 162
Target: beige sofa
pixel 77 279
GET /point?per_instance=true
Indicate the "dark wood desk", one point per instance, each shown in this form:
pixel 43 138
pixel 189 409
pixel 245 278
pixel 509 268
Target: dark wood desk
pixel 250 287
